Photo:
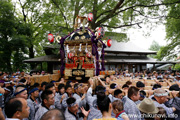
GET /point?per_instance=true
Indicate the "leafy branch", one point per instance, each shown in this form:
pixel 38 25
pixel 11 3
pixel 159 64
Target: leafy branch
pixel 62 13
pixel 123 25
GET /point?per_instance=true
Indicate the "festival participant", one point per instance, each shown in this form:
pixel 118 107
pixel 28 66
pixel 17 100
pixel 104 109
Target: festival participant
pixel 175 102
pixel 79 95
pixel 127 73
pixel 140 85
pixel 22 82
pixel 2 91
pixel 43 85
pixel 47 100
pixel 148 109
pixel 51 87
pixel 148 76
pixel 69 93
pixel 17 109
pixel 129 103
pixel 118 109
pixel 7 83
pixel 61 80
pixel 69 82
pixel 37 85
pixel 8 93
pixel 21 92
pixel 107 82
pixel 125 87
pixel 60 96
pixel 33 102
pixel 160 97
pixel 142 94
pixel 1 115
pixel 92 100
pixel 53 114
pixel 112 78
pixel 105 106
pixel 161 114
pixel 71 112
pixel 118 94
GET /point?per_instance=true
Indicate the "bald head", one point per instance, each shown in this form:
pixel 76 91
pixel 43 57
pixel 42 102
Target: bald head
pixel 53 114
pixel 21 92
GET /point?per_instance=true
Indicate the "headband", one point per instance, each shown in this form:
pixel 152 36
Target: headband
pixel 7 89
pixel 72 104
pixel 161 94
pixel 53 81
pixel 33 90
pixel 143 96
pixel 20 91
pixel 98 91
pixel 78 86
pixel 6 82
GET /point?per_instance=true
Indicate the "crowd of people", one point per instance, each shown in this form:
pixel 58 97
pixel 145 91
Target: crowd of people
pixel 102 98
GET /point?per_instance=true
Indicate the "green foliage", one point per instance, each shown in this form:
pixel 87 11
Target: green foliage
pixel 177 67
pixel 6 31
pixel 24 30
pixel 13 38
pixel 120 37
pixel 155 47
pixel 171 50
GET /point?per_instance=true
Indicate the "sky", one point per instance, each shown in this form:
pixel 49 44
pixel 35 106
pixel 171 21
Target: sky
pixel 137 36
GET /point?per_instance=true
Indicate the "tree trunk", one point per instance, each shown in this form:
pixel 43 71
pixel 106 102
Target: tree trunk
pixel 7 57
pixel 93 25
pixel 31 55
pixel 76 13
pixel 7 54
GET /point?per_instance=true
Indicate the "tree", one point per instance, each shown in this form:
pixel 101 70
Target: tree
pixel 113 13
pixel 171 50
pixel 42 19
pixel 12 37
pixel 154 47
pixel 6 31
pixel 38 18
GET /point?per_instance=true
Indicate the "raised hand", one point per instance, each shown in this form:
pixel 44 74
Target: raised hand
pixel 85 113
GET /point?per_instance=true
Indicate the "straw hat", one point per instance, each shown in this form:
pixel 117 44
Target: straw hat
pixel 147 106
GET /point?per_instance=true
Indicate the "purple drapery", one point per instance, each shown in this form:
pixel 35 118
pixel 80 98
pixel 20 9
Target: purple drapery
pixel 62 55
pixel 62 52
pixel 103 54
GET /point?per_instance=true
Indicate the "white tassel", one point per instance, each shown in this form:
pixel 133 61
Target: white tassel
pixel 67 48
pixel 100 53
pixel 95 65
pixel 86 50
pixel 80 47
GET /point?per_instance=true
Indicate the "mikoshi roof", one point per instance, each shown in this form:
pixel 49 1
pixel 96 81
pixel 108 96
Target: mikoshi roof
pixel 126 47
